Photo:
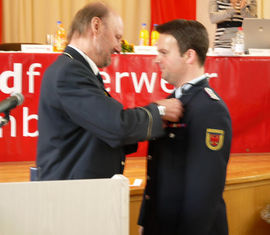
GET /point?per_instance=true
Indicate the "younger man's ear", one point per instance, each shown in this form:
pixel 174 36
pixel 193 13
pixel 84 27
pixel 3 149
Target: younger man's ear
pixel 190 56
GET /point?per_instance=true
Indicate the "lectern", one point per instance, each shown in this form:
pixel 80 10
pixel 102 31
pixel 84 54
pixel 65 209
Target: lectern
pixel 71 207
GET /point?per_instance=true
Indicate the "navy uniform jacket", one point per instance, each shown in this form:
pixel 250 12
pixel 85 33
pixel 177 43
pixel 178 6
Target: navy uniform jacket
pixel 187 170
pixel 82 130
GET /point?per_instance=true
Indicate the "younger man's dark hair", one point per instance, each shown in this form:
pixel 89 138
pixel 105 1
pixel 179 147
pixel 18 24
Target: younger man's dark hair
pixel 189 34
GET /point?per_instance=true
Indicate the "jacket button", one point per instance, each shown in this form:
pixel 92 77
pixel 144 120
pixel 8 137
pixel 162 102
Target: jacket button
pixel 149 157
pixel 148 177
pixel 122 163
pixel 172 135
pixel 147 197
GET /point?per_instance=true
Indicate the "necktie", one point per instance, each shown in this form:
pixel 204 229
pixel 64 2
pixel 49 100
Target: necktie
pixel 171 95
pixel 100 78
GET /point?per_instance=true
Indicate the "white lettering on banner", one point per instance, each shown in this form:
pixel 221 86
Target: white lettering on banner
pixel 163 84
pixel 144 79
pixel 107 79
pixel 137 84
pixel 118 77
pixel 26 119
pixel 31 73
pixel 138 80
pixel 13 130
pixel 17 76
pixel 14 81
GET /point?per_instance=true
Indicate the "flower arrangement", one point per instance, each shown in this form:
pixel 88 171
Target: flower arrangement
pixel 127 47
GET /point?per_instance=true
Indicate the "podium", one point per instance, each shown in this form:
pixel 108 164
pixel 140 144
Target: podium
pixel 96 206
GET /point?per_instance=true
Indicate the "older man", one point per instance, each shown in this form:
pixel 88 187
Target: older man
pixel 83 132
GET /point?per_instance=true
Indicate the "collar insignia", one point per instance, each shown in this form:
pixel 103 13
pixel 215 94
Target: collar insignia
pixel 211 93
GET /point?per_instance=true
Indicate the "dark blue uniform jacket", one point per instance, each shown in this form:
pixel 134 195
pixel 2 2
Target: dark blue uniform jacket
pixel 83 132
pixel 187 170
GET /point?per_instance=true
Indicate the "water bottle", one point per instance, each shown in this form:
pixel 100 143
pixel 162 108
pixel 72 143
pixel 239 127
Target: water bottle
pixel 60 38
pixel 239 42
pixel 154 36
pixel 144 36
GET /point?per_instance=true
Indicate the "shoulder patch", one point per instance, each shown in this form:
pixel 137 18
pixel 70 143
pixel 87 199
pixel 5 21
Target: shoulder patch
pixel 214 139
pixel 211 93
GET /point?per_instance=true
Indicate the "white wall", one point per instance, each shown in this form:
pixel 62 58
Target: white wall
pixel 203 17
pixel 266 9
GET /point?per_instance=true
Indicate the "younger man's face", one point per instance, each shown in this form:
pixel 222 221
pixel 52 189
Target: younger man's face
pixel 171 63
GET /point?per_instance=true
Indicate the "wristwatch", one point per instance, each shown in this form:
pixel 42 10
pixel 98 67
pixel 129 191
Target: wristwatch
pixel 162 110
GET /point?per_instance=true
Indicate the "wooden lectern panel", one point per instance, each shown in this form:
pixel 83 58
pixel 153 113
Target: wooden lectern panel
pixel 70 207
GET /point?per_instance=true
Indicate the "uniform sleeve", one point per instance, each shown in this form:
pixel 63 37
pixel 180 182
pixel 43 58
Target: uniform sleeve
pixel 87 105
pixel 209 138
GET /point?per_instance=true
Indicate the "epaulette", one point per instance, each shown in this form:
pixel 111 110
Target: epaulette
pixel 211 93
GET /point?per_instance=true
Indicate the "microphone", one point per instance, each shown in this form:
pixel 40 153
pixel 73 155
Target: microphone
pixel 11 102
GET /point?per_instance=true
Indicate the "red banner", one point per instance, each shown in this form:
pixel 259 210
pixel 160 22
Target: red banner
pixel 131 79
pixel 21 73
pixel 135 80
pixel 244 84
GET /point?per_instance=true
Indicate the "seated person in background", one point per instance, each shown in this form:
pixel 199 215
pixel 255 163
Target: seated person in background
pixel 229 15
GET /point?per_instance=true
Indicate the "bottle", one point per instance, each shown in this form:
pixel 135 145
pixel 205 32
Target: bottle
pixel 239 42
pixel 60 38
pixel 154 36
pixel 144 36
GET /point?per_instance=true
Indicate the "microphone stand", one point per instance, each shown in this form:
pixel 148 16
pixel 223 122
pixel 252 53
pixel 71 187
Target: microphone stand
pixel 4 120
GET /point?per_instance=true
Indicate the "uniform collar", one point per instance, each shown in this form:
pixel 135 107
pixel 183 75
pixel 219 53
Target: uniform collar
pixel 185 87
pixel 91 63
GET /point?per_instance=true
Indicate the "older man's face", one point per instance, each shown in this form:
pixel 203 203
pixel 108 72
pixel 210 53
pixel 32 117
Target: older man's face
pixel 110 39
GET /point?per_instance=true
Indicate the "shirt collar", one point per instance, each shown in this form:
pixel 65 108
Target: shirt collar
pixel 89 61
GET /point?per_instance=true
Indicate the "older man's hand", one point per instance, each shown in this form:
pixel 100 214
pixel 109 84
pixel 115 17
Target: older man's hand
pixel 173 109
